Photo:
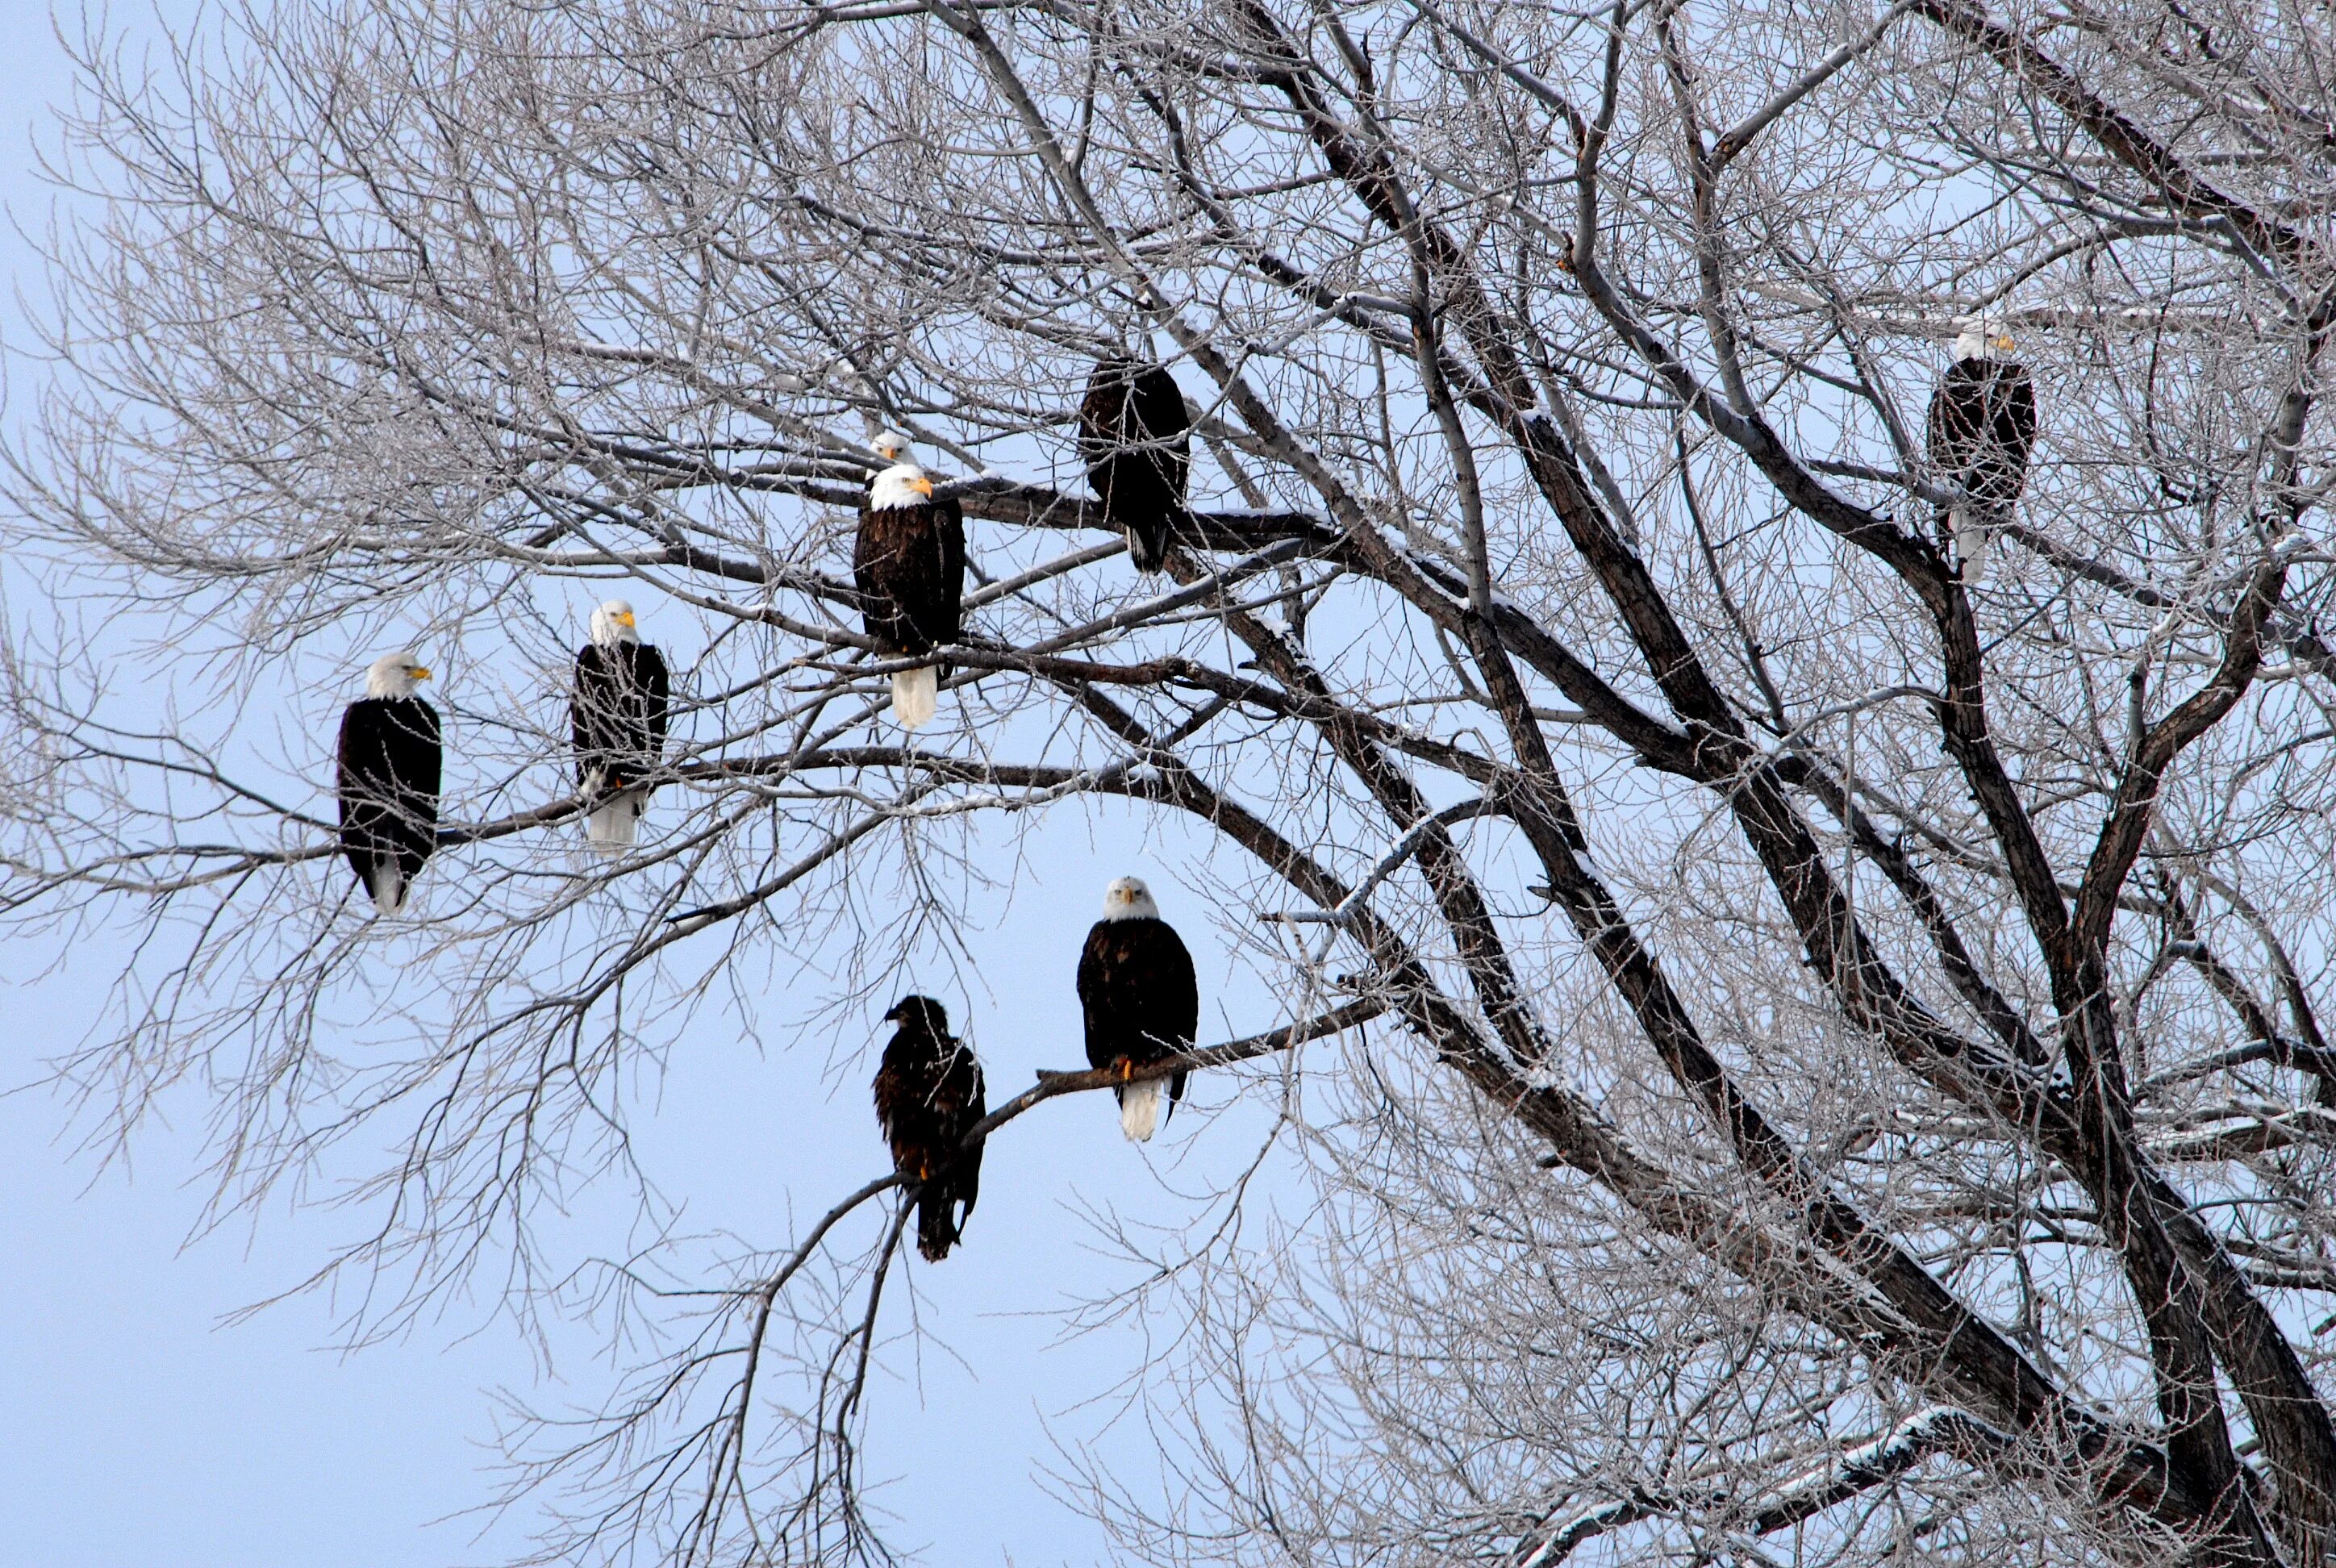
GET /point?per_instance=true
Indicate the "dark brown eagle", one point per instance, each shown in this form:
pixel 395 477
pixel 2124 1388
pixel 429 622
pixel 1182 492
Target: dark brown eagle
pixel 1141 998
pixel 616 719
pixel 1136 440
pixel 390 761
pixel 929 1096
pixel 908 564
pixel 1982 426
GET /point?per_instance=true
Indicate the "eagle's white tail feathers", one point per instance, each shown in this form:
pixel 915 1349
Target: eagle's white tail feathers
pixel 1973 539
pixel 916 696
pixel 613 823
pixel 387 885
pixel 1139 1109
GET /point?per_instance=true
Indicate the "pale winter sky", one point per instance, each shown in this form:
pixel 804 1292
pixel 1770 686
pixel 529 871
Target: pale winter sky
pixel 145 1429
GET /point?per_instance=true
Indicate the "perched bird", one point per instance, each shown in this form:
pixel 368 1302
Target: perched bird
pixel 391 760
pixel 1141 999
pixel 929 1096
pixel 617 718
pixel 1136 440
pixel 910 566
pixel 1982 426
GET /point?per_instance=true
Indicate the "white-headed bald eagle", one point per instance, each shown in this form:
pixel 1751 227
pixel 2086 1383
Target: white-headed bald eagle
pixel 391 759
pixel 617 718
pixel 1140 998
pixel 1136 440
pixel 929 1096
pixel 908 564
pixel 1982 426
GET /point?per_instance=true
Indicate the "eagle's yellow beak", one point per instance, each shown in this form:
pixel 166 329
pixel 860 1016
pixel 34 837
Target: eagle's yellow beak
pixel 420 674
pixel 2004 341
pixel 923 487
pixel 626 620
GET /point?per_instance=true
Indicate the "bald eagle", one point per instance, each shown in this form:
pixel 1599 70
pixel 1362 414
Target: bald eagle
pixel 1141 999
pixel 1135 438
pixel 929 1096
pixel 1982 424
pixel 390 762
pixel 616 719
pixel 910 566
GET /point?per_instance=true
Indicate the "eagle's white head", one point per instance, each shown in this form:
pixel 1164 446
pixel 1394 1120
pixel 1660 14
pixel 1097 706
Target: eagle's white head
pixel 1982 338
pixel 613 623
pixel 902 485
pixel 1127 898
pixel 394 674
pixel 892 446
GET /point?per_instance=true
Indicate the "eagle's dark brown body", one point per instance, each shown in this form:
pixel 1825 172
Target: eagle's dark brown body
pixel 618 716
pixel 908 564
pixel 1140 998
pixel 1982 426
pixel 929 1096
pixel 1135 438
pixel 391 758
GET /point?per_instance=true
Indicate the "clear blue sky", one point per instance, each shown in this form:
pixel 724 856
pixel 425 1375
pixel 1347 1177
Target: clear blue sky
pixel 145 1431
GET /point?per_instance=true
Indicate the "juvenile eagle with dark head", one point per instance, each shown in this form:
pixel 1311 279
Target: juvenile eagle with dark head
pixel 929 1096
pixel 1136 440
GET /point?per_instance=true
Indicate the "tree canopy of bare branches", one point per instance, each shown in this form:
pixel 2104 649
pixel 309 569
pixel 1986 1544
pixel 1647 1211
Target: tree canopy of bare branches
pixel 1802 1059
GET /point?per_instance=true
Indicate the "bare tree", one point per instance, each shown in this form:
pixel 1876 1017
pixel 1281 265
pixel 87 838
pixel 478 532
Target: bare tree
pixel 1831 1064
